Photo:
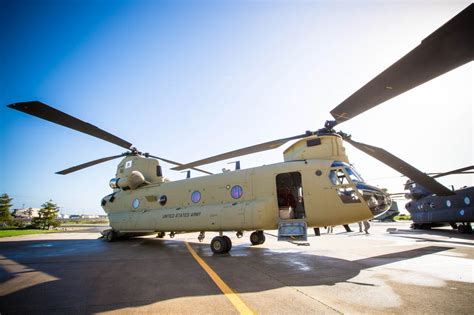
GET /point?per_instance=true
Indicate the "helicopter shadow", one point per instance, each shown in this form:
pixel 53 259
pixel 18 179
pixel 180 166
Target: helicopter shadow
pixel 94 276
pixel 451 236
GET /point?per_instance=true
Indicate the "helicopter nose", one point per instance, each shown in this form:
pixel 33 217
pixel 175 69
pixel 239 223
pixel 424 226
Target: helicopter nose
pixel 377 200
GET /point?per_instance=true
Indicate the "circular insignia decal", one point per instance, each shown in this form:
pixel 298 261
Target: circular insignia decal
pixel 461 212
pixel 196 196
pixel 135 203
pixel 236 192
pixel 448 203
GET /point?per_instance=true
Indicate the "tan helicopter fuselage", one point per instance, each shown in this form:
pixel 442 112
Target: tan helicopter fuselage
pixel 240 200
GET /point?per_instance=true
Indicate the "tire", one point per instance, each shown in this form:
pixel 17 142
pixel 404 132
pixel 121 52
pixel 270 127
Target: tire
pixel 465 229
pixel 262 237
pixel 254 238
pixel 257 238
pixel 219 245
pixel 468 229
pixel 229 243
pixel 111 236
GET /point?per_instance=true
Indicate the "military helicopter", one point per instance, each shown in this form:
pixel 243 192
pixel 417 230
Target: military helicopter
pixel 390 214
pixel 429 210
pixel 315 186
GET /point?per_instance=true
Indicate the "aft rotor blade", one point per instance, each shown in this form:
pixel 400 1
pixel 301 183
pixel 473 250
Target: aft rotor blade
pixel 403 167
pixel 458 171
pixel 447 48
pixel 180 164
pixel 240 152
pixel 51 114
pixel 91 163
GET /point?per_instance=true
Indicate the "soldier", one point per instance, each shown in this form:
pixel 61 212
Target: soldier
pixel 366 226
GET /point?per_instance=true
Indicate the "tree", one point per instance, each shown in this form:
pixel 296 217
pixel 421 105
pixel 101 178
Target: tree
pixel 47 216
pixel 5 205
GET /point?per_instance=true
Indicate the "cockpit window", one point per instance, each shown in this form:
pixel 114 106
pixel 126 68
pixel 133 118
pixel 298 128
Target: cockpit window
pixel 344 191
pixel 338 177
pixel 355 177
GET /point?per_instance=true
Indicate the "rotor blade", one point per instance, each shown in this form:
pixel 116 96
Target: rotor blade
pixel 458 171
pixel 180 164
pixel 244 151
pixel 51 114
pixel 403 167
pixel 447 48
pixel 91 163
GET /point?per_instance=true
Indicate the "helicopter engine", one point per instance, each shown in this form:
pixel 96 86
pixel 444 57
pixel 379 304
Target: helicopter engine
pixel 136 171
pixel 134 180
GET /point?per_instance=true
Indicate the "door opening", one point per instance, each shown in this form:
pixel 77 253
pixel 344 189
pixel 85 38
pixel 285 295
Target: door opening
pixel 290 196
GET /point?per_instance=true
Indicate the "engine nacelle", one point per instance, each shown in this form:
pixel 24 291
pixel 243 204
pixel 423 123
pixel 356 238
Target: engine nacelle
pixel 134 180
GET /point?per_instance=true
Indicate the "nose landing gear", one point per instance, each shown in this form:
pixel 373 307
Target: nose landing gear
pixel 111 236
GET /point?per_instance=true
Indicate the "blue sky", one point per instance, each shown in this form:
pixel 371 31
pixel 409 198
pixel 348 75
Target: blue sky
pixel 185 80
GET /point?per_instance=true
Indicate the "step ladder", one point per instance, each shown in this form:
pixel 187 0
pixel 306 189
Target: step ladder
pixel 292 231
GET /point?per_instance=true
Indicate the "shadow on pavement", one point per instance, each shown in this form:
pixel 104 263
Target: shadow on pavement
pixel 94 276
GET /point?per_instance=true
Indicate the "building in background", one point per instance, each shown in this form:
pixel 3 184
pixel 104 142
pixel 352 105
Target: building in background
pixel 25 213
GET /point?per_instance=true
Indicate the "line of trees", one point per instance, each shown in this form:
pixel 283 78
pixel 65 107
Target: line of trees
pixel 47 215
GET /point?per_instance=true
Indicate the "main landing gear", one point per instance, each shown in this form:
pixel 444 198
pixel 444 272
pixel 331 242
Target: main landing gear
pixel 465 228
pixel 257 238
pixel 221 244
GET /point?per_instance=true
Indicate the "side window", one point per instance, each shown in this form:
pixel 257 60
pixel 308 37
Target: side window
pixel 344 191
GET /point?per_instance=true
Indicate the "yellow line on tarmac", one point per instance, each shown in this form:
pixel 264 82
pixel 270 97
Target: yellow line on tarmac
pixel 228 292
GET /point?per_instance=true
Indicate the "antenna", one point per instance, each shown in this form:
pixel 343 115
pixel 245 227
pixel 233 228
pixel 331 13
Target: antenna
pixel 237 164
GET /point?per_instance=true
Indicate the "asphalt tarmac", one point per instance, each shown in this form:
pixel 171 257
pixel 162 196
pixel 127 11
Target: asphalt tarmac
pixel 399 271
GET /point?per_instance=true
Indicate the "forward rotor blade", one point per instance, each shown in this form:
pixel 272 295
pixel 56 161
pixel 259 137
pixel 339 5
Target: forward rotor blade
pixel 51 114
pixel 447 48
pixel 403 167
pixel 180 164
pixel 458 171
pixel 244 151
pixel 91 163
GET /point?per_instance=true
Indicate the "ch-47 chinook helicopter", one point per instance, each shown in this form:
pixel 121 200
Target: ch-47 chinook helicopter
pixel 315 185
pixel 430 210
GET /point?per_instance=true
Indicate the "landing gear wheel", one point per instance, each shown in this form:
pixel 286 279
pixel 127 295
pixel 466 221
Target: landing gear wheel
pixel 257 238
pixel 468 229
pixel 219 245
pixel 465 228
pixel 229 242
pixel 160 235
pixel 111 236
